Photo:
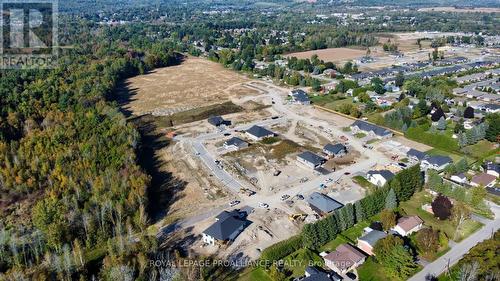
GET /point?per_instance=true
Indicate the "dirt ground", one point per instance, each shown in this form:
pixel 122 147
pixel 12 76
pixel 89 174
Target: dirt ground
pixel 331 54
pixel 460 10
pixel 196 82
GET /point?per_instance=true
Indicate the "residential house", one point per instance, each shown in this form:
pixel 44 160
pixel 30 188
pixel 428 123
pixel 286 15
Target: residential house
pixel 218 121
pixel 228 225
pixel 335 150
pixel 416 155
pixel 300 97
pixel 235 143
pixel 459 178
pixel 258 133
pixel 370 129
pixel 344 258
pixel 380 177
pixel 310 159
pixel 492 108
pixel 471 78
pixel 368 241
pixel 493 169
pixel 315 274
pixel 436 162
pixel 483 179
pixel 322 204
pixel 408 225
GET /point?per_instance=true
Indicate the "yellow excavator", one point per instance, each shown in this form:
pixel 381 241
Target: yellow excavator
pixel 297 217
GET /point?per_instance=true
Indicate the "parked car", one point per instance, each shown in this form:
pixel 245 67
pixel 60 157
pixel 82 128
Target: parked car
pixel 328 180
pixel 347 173
pixel 299 197
pixel 263 205
pixel 234 203
pixel 284 197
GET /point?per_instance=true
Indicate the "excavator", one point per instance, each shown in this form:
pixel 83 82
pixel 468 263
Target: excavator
pixel 297 217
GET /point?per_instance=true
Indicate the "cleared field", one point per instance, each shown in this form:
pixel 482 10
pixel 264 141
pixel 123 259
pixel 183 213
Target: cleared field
pixel 196 82
pixel 331 54
pixel 460 10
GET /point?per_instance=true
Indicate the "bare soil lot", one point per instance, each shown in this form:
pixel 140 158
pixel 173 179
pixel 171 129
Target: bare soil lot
pixel 331 54
pixel 196 82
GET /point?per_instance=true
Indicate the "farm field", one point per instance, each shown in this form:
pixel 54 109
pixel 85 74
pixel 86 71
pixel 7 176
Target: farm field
pixel 194 83
pixel 331 54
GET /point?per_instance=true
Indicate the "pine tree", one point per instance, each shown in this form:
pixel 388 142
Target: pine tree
pixel 441 124
pixel 341 220
pixel 391 201
pixel 349 214
pixel 360 213
pixel 462 139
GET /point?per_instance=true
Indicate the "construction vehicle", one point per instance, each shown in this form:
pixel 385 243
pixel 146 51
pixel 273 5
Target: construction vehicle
pixel 247 191
pixel 297 217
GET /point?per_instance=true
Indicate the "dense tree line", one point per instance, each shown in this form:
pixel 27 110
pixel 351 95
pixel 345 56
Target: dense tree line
pixel 72 191
pixel 399 189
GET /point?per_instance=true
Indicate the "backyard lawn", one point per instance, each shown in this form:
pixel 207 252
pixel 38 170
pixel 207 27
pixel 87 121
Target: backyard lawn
pixel 372 271
pixel 254 274
pixel 297 261
pixel 455 157
pixel 481 150
pixel 413 207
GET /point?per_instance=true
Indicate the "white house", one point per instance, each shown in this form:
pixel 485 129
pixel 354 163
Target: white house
pixel 310 160
pixel 437 162
pixel 379 178
pixel 459 178
pixel 335 150
pixel 408 225
pixel 258 133
pixel 235 143
pixel 493 169
pixel 227 226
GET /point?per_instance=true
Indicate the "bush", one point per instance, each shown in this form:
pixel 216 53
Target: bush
pixel 281 249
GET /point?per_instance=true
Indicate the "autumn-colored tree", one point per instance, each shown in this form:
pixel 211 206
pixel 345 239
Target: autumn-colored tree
pixel 427 240
pixel 388 219
pixel 441 206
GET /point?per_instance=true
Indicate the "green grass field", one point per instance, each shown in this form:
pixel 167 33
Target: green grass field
pixel 413 207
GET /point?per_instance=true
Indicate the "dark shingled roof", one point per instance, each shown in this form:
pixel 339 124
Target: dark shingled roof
pixel 415 153
pixel 216 120
pixel 367 127
pixel 386 174
pixel 300 96
pixel 312 158
pixel 259 131
pixel 322 202
pixel 227 223
pixel 334 148
pixel 439 160
pixel 235 141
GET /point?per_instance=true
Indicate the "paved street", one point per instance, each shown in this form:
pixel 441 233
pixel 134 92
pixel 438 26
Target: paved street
pixel 460 249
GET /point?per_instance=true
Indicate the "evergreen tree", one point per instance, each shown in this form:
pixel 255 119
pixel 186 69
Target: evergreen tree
pixel 341 219
pixel 391 201
pixel 349 214
pixel 462 139
pixel 360 213
pixel 441 125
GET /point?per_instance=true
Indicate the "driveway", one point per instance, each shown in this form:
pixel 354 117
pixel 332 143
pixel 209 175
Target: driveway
pixel 460 249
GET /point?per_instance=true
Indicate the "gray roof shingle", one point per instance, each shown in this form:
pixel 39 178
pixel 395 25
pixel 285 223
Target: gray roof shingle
pixel 312 158
pixel 322 202
pixel 367 127
pixel 373 236
pixel 259 131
